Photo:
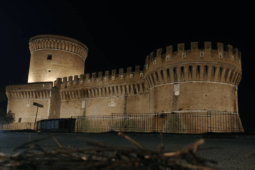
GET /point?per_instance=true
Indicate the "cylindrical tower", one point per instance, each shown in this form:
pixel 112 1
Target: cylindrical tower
pixel 198 81
pixel 194 79
pixel 54 56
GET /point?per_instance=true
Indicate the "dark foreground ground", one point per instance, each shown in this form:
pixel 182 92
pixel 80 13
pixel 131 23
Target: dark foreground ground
pixel 231 154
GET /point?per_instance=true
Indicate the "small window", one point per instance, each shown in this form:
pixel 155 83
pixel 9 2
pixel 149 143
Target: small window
pixel 49 70
pixel 49 57
pixel 19 119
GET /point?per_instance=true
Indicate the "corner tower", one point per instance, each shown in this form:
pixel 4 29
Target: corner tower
pixel 54 56
pixel 197 80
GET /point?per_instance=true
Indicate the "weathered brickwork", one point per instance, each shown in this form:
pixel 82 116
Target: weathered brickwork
pixel 185 81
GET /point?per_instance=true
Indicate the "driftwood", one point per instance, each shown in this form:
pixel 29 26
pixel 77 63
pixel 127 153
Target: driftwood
pixel 104 157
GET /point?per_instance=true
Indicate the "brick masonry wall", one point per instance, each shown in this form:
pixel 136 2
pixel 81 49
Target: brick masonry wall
pixel 185 80
pixel 21 99
pixel 62 64
pixel 193 96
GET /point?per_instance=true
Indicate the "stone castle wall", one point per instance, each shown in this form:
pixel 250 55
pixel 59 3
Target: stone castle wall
pixel 200 79
pixel 21 98
pixel 186 80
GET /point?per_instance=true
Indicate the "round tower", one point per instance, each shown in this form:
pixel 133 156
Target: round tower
pixel 54 56
pixel 194 80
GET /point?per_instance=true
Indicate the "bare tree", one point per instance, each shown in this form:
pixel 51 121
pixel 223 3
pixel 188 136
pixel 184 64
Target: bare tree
pixel 9 117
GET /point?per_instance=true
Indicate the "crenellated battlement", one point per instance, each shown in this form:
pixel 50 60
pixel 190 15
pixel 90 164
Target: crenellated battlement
pixel 29 91
pixel 98 85
pixel 229 55
pixel 97 78
pixel 40 42
pixel 194 64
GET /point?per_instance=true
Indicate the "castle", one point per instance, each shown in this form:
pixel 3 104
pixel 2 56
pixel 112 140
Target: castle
pixel 183 81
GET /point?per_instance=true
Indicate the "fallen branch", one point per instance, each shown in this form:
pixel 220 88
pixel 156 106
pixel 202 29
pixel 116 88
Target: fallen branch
pixel 104 157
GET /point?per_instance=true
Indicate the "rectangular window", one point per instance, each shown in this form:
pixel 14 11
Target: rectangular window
pixel 19 119
pixel 49 57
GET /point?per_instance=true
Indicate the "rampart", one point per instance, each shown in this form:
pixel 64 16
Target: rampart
pixel 194 65
pixel 229 56
pixel 210 65
pixel 107 85
pixel 32 90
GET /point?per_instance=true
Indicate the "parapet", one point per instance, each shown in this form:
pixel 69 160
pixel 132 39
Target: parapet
pixel 229 55
pixel 58 42
pixel 97 78
pixel 29 86
pixel 194 55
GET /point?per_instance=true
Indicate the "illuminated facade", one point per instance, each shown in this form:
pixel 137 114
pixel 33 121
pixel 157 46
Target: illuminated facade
pixel 183 81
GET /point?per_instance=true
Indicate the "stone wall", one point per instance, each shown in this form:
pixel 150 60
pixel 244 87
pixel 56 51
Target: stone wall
pixel 21 98
pixel 186 80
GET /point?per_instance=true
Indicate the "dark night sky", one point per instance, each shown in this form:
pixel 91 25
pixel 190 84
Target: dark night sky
pixel 121 35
